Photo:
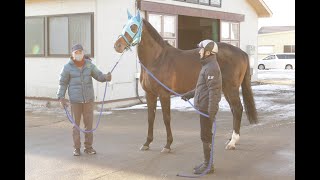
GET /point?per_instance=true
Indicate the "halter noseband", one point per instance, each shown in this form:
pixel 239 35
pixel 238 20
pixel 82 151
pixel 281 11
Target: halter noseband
pixel 136 37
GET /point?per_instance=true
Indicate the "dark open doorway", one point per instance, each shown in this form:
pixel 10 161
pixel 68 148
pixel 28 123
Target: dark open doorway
pixel 192 30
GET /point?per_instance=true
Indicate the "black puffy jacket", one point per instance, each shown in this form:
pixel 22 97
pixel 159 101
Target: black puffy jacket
pixel 207 93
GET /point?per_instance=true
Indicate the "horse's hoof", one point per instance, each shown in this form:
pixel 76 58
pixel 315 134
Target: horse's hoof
pixel 144 148
pixel 165 150
pixel 230 147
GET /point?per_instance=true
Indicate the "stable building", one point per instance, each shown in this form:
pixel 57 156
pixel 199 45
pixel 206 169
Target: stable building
pixel 53 26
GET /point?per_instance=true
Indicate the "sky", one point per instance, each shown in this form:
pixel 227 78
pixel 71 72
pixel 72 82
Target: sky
pixel 283 13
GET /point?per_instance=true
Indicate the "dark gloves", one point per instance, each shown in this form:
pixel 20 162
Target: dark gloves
pixel 108 76
pixel 186 96
pixel 63 102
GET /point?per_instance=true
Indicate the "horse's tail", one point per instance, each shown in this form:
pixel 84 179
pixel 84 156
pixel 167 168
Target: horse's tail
pixel 249 104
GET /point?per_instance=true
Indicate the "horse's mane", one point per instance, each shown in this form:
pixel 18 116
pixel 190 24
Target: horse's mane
pixel 154 33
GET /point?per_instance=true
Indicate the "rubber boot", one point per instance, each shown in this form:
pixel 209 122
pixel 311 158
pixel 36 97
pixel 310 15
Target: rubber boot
pixel 204 155
pixel 205 164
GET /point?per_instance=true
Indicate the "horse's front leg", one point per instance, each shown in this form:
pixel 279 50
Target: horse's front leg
pixel 165 105
pixel 152 104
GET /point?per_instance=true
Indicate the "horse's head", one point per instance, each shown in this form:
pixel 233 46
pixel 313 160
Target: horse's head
pixel 131 33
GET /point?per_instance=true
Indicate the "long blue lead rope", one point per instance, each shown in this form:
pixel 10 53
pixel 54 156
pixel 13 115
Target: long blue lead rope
pixel 104 95
pixel 214 124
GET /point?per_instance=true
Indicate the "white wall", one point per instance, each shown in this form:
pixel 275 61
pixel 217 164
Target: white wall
pixel 42 74
pixel 249 36
pixel 248 28
pixel 111 17
pixel 50 7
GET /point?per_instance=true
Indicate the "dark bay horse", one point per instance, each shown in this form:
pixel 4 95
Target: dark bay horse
pixel 179 70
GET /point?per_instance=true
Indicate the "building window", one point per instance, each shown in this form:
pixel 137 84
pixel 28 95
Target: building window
pixel 205 2
pixel 34 36
pixel 289 49
pixel 230 33
pixel 63 31
pixel 58 36
pixel 166 25
pixel 266 49
pixel 192 1
pixel 215 3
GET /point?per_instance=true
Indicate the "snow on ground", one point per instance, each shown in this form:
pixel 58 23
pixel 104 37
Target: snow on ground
pixel 276 74
pixel 102 113
pixel 265 95
pixel 261 102
pixel 38 108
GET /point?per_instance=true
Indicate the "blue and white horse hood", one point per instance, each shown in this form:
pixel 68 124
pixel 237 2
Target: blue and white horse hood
pixel 136 20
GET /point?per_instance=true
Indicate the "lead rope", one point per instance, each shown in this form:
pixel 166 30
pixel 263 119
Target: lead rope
pixel 199 112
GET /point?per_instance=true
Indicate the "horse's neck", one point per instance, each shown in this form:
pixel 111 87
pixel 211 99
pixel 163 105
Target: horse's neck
pixel 148 49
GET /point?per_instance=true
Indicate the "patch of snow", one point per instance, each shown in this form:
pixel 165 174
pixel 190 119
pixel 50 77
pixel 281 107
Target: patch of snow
pixel 276 74
pixel 95 112
pixel 265 96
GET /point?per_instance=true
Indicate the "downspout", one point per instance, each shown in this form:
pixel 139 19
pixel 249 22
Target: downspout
pixel 137 75
pixel 137 88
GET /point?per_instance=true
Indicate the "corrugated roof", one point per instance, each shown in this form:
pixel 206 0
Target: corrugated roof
pixel 273 29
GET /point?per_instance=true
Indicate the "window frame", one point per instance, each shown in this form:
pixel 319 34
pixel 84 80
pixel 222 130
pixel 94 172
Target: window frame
pixel 191 2
pixel 47 39
pixel 44 37
pixel 207 4
pixel 198 2
pixel 229 40
pixel 293 46
pixel 214 5
pixel 162 25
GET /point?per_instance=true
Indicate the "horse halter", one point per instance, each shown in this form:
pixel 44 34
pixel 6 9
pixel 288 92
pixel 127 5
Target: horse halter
pixel 136 37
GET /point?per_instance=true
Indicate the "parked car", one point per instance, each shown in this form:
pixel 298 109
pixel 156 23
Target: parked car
pixel 277 61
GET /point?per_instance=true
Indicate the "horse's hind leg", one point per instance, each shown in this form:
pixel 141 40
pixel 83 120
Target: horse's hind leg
pixel 152 104
pixel 165 105
pixel 236 107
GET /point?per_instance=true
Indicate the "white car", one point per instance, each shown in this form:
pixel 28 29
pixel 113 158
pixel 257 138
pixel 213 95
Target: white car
pixel 278 61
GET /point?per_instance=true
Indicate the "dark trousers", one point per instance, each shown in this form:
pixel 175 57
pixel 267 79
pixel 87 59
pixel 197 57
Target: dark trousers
pixel 206 129
pixel 86 111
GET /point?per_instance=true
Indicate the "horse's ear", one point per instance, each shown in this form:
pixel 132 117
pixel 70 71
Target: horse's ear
pixel 138 15
pixel 129 15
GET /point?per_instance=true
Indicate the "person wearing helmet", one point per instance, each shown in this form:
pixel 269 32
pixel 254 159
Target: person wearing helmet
pixel 207 96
